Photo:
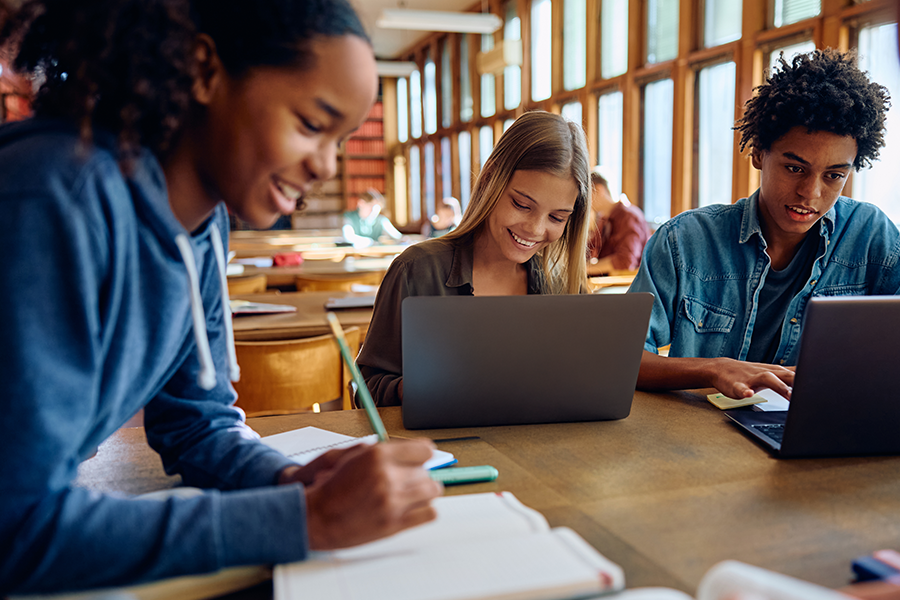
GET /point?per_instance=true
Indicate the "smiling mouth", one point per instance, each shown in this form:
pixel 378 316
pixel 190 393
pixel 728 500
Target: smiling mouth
pixel 801 210
pixel 521 241
pixel 290 192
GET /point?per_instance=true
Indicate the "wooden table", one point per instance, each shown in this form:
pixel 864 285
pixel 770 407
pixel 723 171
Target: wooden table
pixel 280 277
pixel 666 493
pixel 308 321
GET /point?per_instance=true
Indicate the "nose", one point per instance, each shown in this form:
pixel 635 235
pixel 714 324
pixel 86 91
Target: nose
pixel 322 164
pixel 810 187
pixel 536 226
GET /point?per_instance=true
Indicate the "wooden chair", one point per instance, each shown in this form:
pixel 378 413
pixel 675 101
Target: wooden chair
pixel 289 376
pixel 335 283
pixel 251 284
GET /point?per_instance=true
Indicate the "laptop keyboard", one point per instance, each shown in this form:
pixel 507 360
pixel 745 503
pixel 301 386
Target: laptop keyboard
pixel 774 431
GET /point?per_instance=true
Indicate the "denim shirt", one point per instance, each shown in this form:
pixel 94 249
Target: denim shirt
pixel 706 268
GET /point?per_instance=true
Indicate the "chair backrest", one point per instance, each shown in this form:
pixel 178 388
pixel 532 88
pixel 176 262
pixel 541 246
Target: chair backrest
pixel 289 376
pixel 333 283
pixel 251 284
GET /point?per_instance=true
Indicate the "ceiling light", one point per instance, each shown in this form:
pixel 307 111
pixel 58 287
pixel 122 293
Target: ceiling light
pixel 395 68
pixel 438 20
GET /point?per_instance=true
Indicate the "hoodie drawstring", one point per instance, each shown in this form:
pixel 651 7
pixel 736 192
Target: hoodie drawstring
pixel 219 250
pixel 206 379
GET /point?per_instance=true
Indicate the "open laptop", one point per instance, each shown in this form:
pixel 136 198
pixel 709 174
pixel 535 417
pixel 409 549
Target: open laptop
pixel 504 360
pixel 846 395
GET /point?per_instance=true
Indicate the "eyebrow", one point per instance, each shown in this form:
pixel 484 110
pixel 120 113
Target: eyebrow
pixel 521 193
pixel 329 109
pixel 793 156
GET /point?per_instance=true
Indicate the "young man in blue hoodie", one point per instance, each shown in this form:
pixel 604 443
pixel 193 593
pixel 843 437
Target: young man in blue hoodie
pixel 731 282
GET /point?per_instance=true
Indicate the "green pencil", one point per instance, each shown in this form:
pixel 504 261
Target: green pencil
pixel 363 391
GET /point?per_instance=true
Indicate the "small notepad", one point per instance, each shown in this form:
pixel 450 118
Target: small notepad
pixel 723 402
pixel 305 444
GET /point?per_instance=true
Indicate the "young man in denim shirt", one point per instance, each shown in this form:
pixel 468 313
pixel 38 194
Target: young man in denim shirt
pixel 732 281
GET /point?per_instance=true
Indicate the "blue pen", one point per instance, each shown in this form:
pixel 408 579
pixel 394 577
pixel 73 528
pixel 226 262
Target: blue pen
pixel 363 391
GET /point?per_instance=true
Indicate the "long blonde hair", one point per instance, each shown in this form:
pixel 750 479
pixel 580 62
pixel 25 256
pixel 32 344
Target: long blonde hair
pixel 539 141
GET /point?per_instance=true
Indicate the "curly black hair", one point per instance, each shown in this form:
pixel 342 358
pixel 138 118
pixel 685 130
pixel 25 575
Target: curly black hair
pixel 822 90
pixel 127 66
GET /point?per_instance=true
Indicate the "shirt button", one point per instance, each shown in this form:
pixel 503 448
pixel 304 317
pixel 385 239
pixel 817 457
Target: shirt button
pixel 794 320
pixel 813 282
pixel 700 324
pixel 781 362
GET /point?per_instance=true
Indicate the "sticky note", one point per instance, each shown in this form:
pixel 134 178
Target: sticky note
pixel 723 402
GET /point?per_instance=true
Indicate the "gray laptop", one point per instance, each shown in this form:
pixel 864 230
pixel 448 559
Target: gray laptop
pixel 505 360
pixel 846 396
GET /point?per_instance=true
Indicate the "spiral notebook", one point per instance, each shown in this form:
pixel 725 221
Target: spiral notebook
pixel 305 444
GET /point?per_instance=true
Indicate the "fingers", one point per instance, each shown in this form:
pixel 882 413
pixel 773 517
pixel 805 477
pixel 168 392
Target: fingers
pixel 374 492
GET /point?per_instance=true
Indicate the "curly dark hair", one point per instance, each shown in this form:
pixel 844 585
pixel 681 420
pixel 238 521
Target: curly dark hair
pixel 822 90
pixel 127 66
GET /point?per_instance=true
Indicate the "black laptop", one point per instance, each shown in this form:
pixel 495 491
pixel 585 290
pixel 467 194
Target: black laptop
pixel 846 395
pixel 504 360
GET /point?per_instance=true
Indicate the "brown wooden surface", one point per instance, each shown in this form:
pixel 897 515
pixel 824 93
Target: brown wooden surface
pixel 308 321
pixel 666 493
pixel 280 277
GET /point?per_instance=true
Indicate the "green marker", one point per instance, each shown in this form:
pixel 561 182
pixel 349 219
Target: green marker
pixel 363 391
pixel 455 475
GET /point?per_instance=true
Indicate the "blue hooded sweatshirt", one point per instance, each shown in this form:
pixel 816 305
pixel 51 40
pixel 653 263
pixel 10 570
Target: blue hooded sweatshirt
pixel 98 323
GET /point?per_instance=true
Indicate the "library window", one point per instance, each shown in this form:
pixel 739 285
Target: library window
pixel 880 185
pixel 415 104
pixel 485 143
pixel 402 110
pixel 613 38
pixel 790 51
pixel 430 96
pixel 574 44
pixel 656 163
pixel 715 116
pixel 507 123
pixel 662 30
pixel 488 82
pixel 401 204
pixel 446 84
pixel 429 178
pixel 512 75
pixel 541 49
pixel 721 22
pixel 785 12
pixel 571 111
pixel 609 138
pixel 415 184
pixel 466 104
pixel 464 142
pixel 446 173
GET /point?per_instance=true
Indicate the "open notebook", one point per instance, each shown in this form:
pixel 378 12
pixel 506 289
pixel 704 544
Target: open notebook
pixel 481 546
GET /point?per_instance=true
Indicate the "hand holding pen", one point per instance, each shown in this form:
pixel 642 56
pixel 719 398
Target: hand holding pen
pixel 366 492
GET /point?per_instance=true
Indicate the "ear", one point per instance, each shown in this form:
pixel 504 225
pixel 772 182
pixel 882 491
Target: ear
pixel 756 158
pixel 208 70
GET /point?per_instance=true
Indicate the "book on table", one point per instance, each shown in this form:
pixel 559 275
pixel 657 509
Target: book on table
pixel 481 546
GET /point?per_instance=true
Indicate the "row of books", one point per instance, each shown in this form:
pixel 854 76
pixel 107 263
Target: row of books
pixel 354 146
pixel 358 185
pixel 365 166
pixel 370 129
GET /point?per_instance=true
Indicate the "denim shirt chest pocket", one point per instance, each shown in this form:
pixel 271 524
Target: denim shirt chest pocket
pixel 705 326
